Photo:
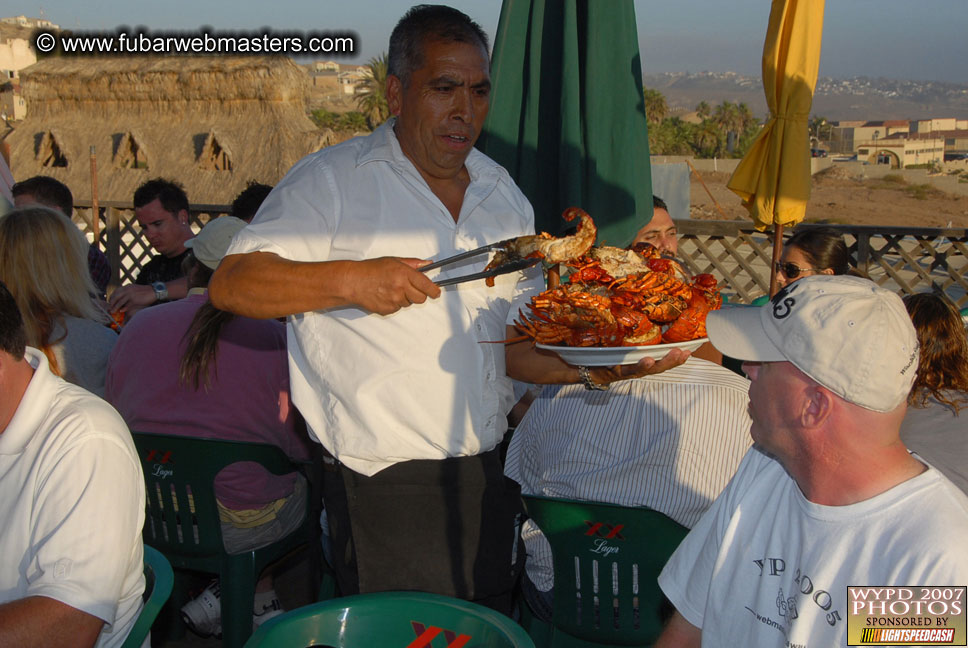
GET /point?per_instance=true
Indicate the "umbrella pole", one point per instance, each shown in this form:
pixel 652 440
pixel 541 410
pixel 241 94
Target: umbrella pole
pixel 95 208
pixel 777 251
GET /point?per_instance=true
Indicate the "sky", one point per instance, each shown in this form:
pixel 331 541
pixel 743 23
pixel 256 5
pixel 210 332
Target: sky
pixel 921 40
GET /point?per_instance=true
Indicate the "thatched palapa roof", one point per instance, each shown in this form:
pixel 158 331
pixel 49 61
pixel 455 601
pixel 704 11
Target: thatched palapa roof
pixel 211 123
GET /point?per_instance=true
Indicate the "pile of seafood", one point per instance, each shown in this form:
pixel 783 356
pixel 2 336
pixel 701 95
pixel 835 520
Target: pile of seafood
pixel 546 246
pixel 613 296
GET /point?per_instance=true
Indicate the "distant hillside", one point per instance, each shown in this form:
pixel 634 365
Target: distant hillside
pixel 835 99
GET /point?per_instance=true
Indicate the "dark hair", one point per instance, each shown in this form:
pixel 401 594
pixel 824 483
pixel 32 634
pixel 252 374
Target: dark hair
pixel 658 203
pixel 247 203
pixel 201 345
pixel 170 193
pixel 46 191
pixel 824 248
pixel 197 272
pixel 13 335
pixel 201 338
pixel 423 23
pixel 943 359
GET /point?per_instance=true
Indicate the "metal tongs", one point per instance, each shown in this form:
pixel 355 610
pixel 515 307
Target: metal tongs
pixel 504 268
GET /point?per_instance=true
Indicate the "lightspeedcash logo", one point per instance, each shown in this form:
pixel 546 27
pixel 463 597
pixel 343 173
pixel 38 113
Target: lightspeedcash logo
pixel 908 615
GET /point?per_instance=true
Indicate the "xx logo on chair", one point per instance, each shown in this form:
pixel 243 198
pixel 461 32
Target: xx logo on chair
pixel 426 634
pixel 153 456
pixel 595 529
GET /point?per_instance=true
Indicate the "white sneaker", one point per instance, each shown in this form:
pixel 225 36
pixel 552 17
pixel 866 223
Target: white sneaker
pixel 270 611
pixel 203 614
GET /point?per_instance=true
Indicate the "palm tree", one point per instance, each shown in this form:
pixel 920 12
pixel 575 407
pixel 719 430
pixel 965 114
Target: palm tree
pixel 727 117
pixel 372 101
pixel 352 122
pixel 707 139
pixel 703 111
pixel 672 137
pixel 746 118
pixel 655 105
pixel 819 129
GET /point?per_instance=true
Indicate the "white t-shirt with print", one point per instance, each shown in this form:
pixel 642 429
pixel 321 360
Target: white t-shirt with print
pixel 766 567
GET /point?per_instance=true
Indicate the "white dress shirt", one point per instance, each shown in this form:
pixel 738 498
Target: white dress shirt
pixel 424 382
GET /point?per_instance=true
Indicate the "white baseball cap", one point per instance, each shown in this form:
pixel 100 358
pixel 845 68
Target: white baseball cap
pixel 213 241
pixel 846 333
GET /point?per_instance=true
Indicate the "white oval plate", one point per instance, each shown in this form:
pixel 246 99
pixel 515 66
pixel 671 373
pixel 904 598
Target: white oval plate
pixel 610 356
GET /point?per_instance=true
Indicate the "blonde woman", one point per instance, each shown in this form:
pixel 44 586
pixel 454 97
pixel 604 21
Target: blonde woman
pixel 43 261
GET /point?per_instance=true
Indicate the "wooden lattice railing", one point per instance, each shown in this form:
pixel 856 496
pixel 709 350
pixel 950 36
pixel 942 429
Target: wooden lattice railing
pixel 903 259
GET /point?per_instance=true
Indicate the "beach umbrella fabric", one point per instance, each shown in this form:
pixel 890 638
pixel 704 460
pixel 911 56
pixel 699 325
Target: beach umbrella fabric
pixel 773 179
pixel 567 116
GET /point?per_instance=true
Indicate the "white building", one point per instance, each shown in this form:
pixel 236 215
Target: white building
pixel 16 53
pixel 30 23
pixel 900 152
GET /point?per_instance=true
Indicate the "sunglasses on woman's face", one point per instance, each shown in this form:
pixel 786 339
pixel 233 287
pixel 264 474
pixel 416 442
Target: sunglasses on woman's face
pixel 791 270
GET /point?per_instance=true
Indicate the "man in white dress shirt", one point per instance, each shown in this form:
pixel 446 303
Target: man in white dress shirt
pixel 393 375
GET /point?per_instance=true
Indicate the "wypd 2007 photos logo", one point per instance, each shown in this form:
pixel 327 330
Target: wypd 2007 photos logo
pixel 906 616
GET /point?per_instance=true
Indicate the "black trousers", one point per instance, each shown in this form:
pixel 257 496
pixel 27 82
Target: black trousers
pixel 449 526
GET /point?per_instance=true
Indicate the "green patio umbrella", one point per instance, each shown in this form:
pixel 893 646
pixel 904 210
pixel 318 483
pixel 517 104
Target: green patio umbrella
pixel 567 116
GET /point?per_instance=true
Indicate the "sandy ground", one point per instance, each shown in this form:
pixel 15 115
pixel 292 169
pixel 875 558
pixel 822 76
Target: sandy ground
pixel 836 197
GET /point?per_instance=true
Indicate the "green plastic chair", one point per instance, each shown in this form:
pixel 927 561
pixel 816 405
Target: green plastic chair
pixel 392 620
pixel 190 535
pixel 607 560
pixel 158 582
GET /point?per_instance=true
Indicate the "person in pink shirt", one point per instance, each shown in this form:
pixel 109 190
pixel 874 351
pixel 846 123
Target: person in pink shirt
pixel 188 368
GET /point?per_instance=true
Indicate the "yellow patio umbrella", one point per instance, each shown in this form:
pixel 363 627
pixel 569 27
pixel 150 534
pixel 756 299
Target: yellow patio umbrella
pixel 773 179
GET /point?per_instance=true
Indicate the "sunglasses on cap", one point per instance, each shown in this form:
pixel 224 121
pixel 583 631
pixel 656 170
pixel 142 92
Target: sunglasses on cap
pixel 791 270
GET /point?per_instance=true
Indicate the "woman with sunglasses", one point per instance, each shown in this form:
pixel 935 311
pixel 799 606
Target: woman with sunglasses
pixel 817 250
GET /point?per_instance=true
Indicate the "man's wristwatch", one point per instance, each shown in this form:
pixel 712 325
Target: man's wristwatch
pixel 586 380
pixel 161 290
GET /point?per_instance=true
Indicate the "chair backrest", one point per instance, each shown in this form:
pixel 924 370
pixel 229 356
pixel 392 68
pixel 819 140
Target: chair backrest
pixel 392 620
pixel 182 517
pixel 607 560
pixel 159 579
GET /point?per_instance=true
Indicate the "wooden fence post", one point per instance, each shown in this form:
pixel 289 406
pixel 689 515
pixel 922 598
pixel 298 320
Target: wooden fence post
pixel 95 210
pixel 863 251
pixel 114 244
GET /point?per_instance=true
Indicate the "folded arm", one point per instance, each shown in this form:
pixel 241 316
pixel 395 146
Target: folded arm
pixel 264 285
pixel 41 621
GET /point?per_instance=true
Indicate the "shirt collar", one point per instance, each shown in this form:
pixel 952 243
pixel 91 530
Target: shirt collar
pixel 33 406
pixel 383 146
